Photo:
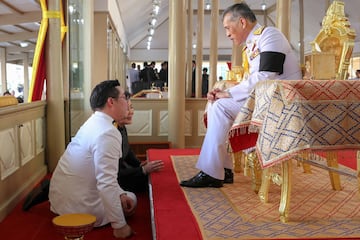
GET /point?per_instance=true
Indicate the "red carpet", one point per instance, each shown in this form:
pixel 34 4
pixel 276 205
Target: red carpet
pixel 172 214
pixel 173 218
pixel 36 224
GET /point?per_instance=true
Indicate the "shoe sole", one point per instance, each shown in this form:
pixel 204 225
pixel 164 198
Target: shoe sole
pixel 194 186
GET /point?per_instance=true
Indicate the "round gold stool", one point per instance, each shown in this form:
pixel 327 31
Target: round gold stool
pixel 74 226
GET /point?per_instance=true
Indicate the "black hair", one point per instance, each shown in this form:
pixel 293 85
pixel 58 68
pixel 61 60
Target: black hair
pixel 240 10
pixel 127 95
pixel 102 92
pixel 6 93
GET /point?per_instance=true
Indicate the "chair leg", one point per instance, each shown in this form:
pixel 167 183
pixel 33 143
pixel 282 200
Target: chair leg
pixel 256 171
pixel 285 190
pixel 358 168
pixel 332 161
pixel 306 168
pixel 265 185
pixel 237 160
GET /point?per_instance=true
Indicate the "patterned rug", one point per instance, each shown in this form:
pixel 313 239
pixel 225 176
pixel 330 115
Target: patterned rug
pixel 293 116
pixel 235 211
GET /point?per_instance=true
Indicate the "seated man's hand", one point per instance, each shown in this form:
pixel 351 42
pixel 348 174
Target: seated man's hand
pixel 153 166
pixel 123 232
pixel 211 96
pixel 222 94
pixel 128 205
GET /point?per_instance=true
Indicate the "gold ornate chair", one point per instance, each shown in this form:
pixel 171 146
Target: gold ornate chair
pixel 332 47
pixel 331 52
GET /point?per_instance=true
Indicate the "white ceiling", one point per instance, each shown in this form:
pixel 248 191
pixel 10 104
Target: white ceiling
pixel 136 22
pixel 19 22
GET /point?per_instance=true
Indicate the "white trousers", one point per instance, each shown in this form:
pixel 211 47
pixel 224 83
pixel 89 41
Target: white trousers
pixel 214 156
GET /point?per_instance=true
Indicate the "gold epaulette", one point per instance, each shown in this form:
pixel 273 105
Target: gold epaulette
pixel 115 124
pixel 244 48
pixel 259 30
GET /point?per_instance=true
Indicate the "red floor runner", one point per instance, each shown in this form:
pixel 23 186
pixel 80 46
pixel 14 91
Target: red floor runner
pixel 36 224
pixel 173 217
pixel 347 158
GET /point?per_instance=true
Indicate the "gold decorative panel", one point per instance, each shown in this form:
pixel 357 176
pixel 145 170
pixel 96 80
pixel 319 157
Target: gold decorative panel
pixel 163 123
pixel 142 123
pixel 26 139
pixel 336 37
pixel 188 123
pixel 320 66
pixel 8 159
pixel 40 135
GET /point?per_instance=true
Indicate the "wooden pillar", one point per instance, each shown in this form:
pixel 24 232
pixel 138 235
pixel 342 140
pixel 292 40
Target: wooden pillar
pixel 89 57
pixel 189 48
pixel 3 69
pixel 265 12
pixel 213 43
pixel 55 127
pixel 301 29
pixel 283 9
pixel 199 48
pixel 26 76
pixel 176 103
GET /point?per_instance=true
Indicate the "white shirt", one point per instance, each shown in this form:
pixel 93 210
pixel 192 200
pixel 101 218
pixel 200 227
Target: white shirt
pixel 85 179
pixel 133 75
pixel 271 39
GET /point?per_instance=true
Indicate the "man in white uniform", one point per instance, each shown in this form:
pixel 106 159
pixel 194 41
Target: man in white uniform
pixel 85 179
pixel 270 56
pixel 132 78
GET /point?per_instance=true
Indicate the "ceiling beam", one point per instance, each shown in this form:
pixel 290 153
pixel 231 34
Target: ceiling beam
pixel 14 19
pixel 4 31
pixel 23 28
pixel 17 49
pixel 11 7
pixel 19 57
pixel 18 36
pixel 140 35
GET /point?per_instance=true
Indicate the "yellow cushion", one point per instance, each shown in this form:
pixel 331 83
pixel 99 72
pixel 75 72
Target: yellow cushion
pixel 8 101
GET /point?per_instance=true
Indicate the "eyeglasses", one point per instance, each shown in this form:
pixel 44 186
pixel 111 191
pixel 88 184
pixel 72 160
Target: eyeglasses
pixel 125 96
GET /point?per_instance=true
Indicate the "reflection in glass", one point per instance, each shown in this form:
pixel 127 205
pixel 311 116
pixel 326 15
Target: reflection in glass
pixel 77 104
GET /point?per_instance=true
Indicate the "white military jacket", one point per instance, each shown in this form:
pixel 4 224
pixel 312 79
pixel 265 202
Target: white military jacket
pixel 262 40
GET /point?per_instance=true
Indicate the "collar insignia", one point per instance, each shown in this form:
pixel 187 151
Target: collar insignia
pixel 259 30
pixel 115 124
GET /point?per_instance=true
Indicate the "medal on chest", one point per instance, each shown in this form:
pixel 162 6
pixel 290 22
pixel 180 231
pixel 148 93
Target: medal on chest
pixel 253 51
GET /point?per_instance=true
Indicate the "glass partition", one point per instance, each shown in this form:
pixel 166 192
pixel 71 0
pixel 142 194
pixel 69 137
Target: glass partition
pixel 78 100
pixel 116 55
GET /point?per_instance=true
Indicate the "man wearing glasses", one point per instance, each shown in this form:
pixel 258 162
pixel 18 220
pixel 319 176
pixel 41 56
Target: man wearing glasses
pixel 85 179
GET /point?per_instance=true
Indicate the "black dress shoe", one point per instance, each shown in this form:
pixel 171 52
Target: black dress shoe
pixel 202 180
pixel 229 176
